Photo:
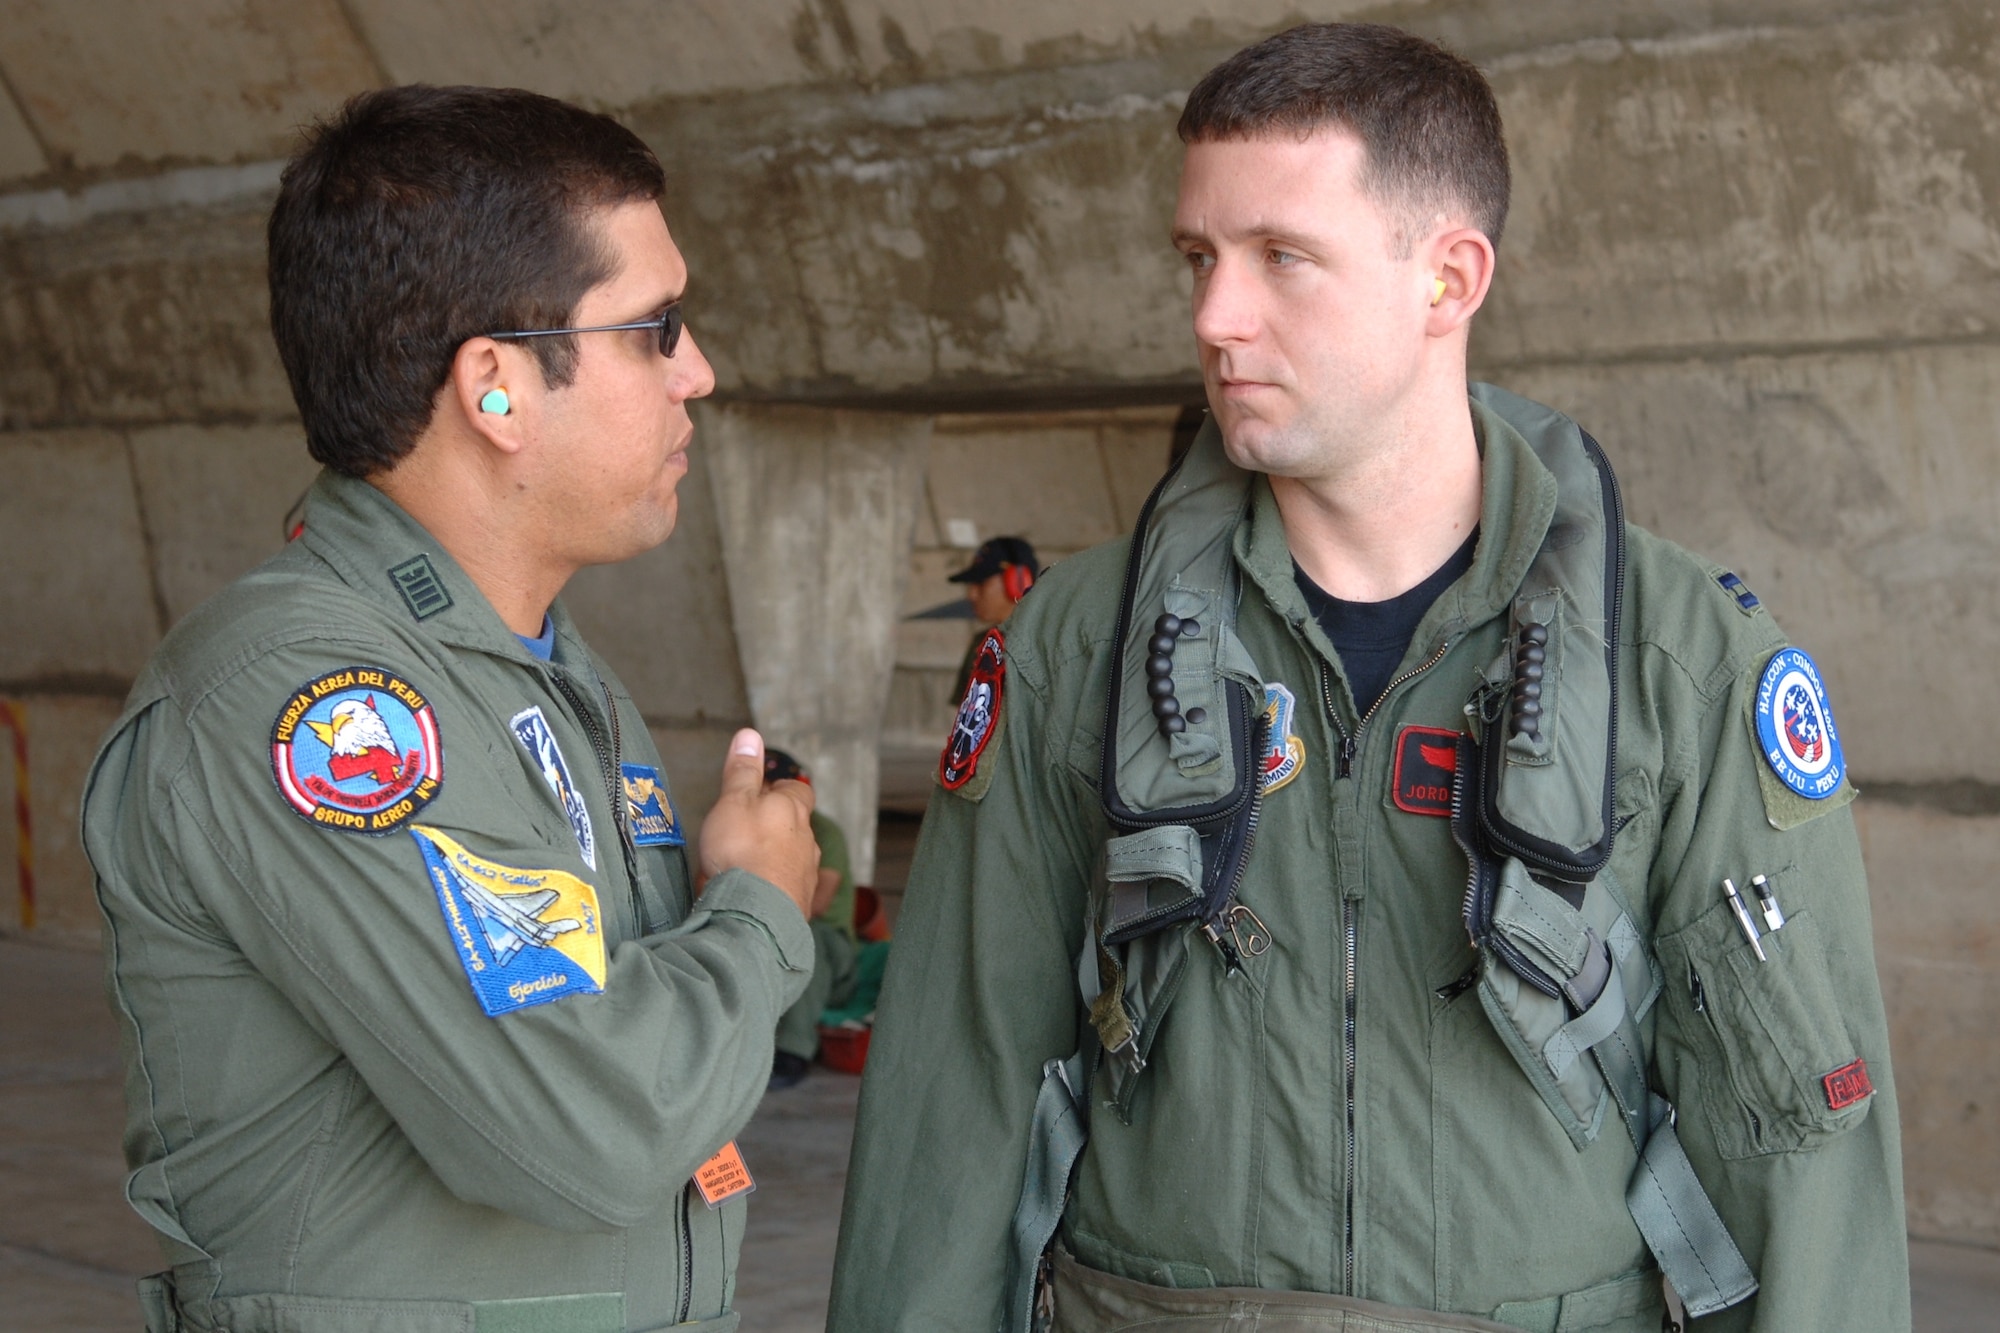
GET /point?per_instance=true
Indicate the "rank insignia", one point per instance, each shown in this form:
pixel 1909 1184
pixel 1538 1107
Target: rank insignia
pixel 1426 766
pixel 978 713
pixel 531 728
pixel 357 749
pixel 524 937
pixel 649 811
pixel 1795 726
pixel 1284 753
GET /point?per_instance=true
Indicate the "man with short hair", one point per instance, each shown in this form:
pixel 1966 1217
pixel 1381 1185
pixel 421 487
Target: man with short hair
pixel 1390 891
pixel 426 1028
pixel 996 579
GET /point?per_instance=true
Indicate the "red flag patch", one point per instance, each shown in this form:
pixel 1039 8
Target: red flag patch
pixel 1426 762
pixel 1848 1085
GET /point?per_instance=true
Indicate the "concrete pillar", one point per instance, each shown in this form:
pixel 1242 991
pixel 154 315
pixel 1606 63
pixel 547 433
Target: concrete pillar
pixel 818 509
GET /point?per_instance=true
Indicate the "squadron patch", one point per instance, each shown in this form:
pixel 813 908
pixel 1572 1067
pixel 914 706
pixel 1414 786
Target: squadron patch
pixel 649 811
pixel 1426 767
pixel 524 937
pixel 1284 753
pixel 531 728
pixel 978 713
pixel 357 749
pixel 1795 726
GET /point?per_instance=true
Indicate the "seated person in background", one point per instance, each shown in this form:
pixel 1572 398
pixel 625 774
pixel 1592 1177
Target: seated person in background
pixel 1001 572
pixel 834 943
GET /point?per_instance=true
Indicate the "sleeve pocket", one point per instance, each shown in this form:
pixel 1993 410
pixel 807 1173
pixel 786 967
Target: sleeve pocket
pixel 1774 1029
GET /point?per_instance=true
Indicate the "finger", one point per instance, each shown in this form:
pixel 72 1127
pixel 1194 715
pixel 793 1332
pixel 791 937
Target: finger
pixel 743 770
pixel 798 791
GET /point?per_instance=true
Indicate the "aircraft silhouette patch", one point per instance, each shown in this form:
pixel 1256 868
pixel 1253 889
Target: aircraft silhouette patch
pixel 1426 763
pixel 524 937
pixel 357 750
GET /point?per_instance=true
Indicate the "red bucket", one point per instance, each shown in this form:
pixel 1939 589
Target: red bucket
pixel 844 1048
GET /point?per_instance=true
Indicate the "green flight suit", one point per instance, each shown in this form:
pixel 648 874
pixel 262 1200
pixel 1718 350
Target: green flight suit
pixel 1443 1182
pixel 324 1124
pixel 835 950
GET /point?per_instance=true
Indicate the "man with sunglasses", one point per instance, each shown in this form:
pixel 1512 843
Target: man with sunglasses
pixel 426 1028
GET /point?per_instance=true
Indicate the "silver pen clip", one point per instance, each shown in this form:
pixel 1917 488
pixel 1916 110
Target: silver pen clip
pixel 1743 918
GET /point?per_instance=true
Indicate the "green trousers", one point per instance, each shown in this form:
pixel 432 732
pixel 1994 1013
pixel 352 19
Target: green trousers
pixel 832 985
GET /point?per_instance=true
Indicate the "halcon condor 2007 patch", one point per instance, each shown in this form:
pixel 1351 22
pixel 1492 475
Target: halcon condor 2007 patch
pixel 357 749
pixel 1795 726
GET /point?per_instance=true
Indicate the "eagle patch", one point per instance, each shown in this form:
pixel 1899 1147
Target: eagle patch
pixel 357 750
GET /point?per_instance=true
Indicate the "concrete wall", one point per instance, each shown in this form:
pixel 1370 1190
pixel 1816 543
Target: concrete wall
pixel 1754 246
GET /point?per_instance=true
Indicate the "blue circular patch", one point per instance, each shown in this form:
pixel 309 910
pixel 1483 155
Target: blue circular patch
pixel 1795 726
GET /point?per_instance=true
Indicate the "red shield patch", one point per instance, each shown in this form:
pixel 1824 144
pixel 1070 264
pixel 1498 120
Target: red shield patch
pixel 978 711
pixel 1426 762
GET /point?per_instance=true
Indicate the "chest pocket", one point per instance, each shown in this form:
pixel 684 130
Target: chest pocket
pixel 1773 1030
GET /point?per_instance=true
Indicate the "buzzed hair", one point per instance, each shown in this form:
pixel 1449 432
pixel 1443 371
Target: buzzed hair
pixel 1426 118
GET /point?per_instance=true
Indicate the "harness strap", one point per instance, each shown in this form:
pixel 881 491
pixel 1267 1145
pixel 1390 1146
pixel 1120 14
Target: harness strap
pixel 1056 1136
pixel 1693 1247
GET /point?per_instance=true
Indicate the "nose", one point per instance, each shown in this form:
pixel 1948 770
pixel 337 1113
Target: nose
pixel 692 376
pixel 1225 304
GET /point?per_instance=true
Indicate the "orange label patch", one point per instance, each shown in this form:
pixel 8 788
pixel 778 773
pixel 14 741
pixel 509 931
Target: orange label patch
pixel 723 1176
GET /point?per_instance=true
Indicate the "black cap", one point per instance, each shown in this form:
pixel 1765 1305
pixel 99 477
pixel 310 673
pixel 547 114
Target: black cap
pixel 995 554
pixel 781 767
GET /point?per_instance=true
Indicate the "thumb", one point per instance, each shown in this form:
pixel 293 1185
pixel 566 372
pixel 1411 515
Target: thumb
pixel 743 770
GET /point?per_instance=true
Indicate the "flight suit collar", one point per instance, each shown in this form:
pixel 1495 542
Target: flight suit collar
pixel 380 550
pixel 1518 501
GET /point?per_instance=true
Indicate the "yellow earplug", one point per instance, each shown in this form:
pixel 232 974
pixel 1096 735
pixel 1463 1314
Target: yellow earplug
pixel 1437 290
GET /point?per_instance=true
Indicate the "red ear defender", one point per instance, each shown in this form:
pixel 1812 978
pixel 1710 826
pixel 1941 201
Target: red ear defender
pixel 1015 580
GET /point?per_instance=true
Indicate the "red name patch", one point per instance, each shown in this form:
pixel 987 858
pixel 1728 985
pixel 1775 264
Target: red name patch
pixel 1426 762
pixel 1848 1085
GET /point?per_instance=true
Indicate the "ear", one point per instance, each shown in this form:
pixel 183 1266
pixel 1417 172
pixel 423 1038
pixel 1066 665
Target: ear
pixel 1462 259
pixel 480 366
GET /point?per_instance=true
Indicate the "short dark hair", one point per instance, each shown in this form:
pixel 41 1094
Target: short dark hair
pixel 418 217
pixel 1426 118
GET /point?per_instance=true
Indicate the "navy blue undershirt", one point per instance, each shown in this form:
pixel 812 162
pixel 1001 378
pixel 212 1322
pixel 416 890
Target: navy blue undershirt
pixel 543 645
pixel 1371 637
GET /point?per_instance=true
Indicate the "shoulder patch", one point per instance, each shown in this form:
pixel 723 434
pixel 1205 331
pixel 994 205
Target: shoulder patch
pixel 1795 726
pixel 649 810
pixel 978 713
pixel 358 750
pixel 1284 753
pixel 524 937
pixel 531 728
pixel 1426 767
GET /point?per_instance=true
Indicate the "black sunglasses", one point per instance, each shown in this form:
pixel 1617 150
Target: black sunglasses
pixel 668 322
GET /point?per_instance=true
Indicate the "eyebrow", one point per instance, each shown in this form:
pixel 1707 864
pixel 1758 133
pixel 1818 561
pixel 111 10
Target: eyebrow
pixel 1259 228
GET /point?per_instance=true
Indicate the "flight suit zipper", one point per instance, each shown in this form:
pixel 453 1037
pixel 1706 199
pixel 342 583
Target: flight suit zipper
pixel 1350 742
pixel 1350 745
